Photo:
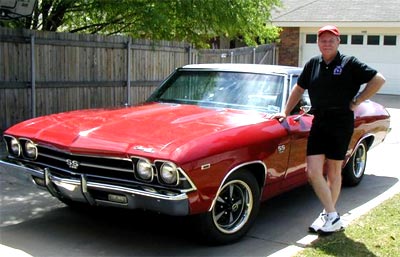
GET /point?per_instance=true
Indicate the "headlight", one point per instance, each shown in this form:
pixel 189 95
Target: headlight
pixel 30 150
pixel 169 173
pixel 144 170
pixel 15 147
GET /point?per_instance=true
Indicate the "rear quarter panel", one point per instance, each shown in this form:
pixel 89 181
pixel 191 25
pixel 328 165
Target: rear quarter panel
pixel 372 122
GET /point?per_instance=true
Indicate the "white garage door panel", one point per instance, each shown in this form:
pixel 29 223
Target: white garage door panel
pixel 391 73
pixel 368 54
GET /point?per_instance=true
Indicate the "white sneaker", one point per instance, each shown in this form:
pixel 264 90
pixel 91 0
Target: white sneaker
pixel 318 222
pixel 332 224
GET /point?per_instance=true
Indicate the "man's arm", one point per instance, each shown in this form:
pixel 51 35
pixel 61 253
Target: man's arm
pixel 294 98
pixel 370 89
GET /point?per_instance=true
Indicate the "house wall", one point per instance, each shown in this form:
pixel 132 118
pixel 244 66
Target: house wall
pixel 289 46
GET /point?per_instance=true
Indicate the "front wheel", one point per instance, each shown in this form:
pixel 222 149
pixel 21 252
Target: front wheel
pixel 234 211
pixel 353 172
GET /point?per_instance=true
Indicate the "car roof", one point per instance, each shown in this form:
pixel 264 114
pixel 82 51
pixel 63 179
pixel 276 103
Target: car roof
pixel 253 68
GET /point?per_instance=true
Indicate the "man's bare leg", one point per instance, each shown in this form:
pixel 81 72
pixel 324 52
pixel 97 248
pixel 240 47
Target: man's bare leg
pixel 334 178
pixel 327 190
pixel 315 166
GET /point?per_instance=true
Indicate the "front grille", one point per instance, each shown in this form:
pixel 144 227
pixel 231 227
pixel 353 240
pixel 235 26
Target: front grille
pixel 96 168
pixel 119 168
pixel 101 169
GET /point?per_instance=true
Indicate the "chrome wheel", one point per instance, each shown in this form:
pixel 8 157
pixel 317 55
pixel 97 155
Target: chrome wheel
pixel 353 172
pixel 234 210
pixel 233 206
pixel 359 161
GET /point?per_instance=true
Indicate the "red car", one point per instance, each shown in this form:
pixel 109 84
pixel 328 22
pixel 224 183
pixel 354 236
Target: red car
pixel 203 144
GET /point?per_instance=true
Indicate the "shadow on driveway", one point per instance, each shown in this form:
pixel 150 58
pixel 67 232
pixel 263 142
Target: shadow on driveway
pixel 36 223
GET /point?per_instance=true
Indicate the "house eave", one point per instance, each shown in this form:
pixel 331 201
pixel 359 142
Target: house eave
pixel 359 24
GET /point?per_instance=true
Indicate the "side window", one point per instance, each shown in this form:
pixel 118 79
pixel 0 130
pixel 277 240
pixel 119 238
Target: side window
pixel 357 39
pixel 373 40
pixel 343 39
pixel 389 40
pixel 305 100
pixel 311 38
pixel 293 81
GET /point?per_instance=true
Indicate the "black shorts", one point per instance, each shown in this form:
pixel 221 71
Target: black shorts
pixel 331 133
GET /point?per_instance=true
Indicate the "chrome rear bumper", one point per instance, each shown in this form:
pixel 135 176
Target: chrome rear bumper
pixel 94 193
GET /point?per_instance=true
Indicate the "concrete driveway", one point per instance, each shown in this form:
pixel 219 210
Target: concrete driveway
pixel 32 223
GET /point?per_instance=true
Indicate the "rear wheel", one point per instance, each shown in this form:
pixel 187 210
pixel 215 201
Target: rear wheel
pixel 234 211
pixel 353 172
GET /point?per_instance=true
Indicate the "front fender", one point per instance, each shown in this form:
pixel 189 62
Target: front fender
pixel 260 172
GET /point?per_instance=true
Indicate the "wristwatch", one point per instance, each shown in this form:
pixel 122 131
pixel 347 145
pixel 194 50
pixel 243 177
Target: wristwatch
pixel 354 101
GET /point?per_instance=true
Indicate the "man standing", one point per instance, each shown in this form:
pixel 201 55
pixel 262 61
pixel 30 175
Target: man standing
pixel 333 81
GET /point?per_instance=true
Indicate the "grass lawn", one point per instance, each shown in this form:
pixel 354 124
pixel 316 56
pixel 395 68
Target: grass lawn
pixel 374 234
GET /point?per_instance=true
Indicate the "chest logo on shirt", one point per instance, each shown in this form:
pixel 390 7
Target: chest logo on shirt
pixel 338 70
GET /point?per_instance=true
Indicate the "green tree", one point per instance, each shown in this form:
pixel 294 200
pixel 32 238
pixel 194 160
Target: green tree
pixel 195 21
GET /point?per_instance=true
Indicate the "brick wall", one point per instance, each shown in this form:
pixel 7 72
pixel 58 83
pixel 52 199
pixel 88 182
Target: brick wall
pixel 289 47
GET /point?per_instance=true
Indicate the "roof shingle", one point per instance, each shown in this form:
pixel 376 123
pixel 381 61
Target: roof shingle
pixel 338 11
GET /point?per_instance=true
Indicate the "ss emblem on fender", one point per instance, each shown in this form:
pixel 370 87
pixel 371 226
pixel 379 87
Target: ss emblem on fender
pixel 72 163
pixel 281 148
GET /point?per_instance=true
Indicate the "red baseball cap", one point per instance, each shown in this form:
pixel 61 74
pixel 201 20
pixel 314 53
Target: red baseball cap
pixel 329 28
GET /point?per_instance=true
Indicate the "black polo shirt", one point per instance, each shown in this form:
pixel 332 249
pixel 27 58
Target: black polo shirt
pixel 334 85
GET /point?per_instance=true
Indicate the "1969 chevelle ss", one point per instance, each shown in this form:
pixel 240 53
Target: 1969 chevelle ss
pixel 203 144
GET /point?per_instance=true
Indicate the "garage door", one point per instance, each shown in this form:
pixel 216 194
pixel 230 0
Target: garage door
pixel 381 52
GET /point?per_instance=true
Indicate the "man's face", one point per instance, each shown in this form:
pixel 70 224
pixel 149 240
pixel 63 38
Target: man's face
pixel 328 44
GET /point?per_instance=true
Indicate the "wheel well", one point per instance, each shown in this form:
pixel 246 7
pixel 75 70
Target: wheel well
pixel 259 172
pixel 257 169
pixel 369 140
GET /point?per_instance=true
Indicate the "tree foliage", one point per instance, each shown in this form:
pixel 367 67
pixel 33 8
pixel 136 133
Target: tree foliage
pixel 195 21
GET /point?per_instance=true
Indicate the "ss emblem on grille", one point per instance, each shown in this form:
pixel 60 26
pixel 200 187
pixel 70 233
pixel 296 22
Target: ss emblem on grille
pixel 72 163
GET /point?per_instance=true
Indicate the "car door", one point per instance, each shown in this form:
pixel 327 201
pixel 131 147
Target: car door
pixel 298 126
pixel 298 129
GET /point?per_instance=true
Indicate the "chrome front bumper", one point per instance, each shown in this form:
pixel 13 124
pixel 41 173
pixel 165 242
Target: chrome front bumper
pixel 84 190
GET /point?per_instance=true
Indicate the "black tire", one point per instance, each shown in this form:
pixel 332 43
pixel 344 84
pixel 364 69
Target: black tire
pixel 353 172
pixel 234 211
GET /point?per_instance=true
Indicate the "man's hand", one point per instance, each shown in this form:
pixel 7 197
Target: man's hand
pixel 279 116
pixel 353 105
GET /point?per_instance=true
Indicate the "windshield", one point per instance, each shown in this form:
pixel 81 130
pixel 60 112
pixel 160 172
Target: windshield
pixel 262 92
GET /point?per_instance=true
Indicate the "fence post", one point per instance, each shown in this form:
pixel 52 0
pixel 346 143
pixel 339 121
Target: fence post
pixel 33 79
pixel 231 57
pixel 254 55
pixel 190 54
pixel 274 56
pixel 128 72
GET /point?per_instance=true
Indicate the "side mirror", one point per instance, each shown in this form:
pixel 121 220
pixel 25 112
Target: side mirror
pixel 304 110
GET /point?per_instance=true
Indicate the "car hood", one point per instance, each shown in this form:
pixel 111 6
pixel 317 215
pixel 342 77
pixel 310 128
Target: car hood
pixel 155 129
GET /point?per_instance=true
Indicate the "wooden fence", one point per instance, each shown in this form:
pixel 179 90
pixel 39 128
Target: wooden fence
pixel 264 54
pixel 47 72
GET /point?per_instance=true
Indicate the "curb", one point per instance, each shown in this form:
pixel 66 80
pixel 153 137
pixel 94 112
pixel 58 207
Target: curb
pixel 347 218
